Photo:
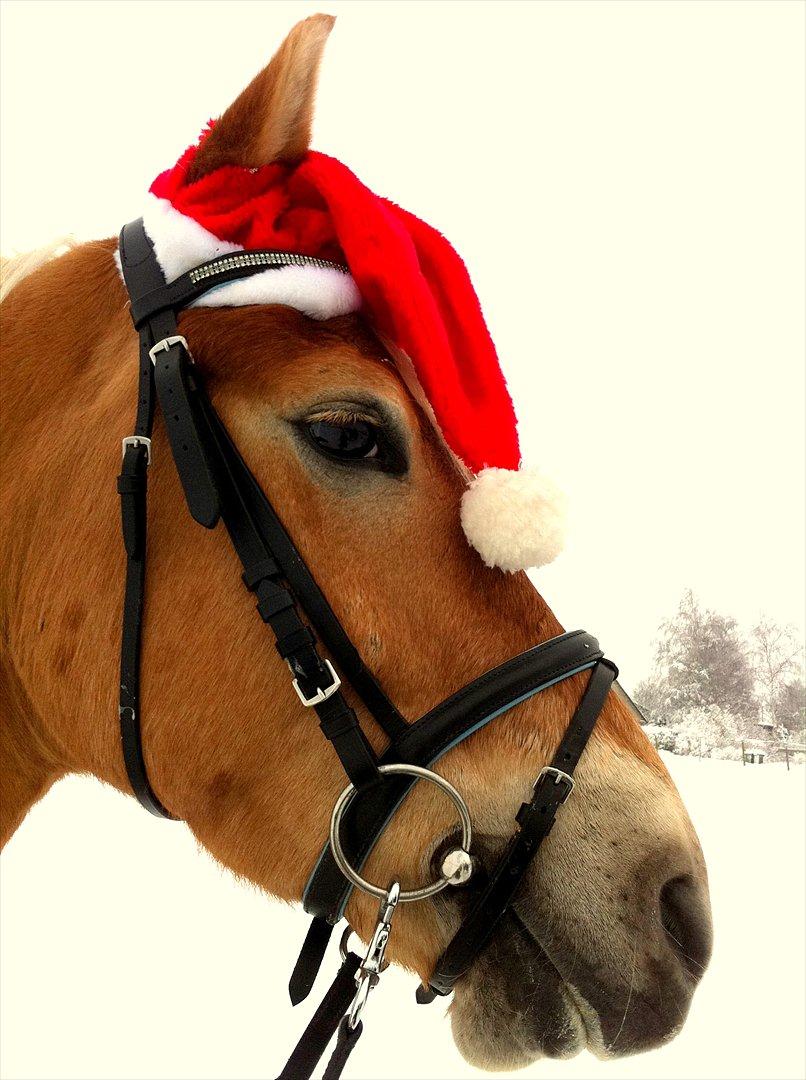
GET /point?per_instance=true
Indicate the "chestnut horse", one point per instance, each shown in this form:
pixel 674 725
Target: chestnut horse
pixel 615 914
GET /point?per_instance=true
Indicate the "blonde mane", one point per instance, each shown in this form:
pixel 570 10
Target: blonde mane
pixel 14 268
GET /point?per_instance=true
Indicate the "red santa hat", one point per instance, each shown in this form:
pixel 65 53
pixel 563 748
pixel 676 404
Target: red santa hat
pixel 410 284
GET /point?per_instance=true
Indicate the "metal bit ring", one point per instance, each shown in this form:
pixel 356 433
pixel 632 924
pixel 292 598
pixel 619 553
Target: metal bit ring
pixel 352 875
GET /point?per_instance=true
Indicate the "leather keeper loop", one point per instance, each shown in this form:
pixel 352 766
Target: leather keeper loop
pixel 131 484
pixel 272 599
pixel 266 568
pixel 343 722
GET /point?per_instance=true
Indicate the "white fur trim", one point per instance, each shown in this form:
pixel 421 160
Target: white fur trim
pixel 181 243
pixel 320 292
pixel 514 520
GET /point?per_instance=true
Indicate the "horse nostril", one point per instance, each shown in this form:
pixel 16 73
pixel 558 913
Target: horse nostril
pixel 685 916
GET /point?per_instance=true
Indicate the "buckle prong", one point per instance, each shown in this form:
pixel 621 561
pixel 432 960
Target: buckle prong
pixel 137 440
pixel 164 344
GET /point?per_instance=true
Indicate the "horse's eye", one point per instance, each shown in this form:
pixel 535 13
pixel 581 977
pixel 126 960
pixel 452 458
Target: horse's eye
pixel 350 441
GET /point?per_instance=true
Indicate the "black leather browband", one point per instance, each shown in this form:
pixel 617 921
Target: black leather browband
pixel 219 271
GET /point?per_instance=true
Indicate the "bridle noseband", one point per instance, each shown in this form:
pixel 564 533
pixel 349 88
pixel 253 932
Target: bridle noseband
pixel 218 485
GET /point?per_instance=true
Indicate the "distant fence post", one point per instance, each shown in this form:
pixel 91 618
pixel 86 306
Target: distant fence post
pixel 790 751
pixel 743 757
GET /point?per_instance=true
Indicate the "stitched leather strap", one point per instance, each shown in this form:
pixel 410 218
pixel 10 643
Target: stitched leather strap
pixel 156 320
pixel 426 740
pixel 177 393
pixel 276 605
pixel 346 1040
pixel 138 265
pixel 304 586
pixel 202 472
pixel 535 821
pixel 309 960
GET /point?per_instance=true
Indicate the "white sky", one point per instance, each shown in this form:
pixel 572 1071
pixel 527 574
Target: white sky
pixel 626 184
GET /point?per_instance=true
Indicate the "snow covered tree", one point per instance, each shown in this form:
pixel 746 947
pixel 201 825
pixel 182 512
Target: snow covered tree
pixel 650 697
pixel 701 660
pixel 701 732
pixel 777 656
pixel 790 709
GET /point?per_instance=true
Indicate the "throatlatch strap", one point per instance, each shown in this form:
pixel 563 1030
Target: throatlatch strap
pixel 141 270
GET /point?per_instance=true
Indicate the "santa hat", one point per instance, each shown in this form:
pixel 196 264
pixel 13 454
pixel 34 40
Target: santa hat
pixel 410 284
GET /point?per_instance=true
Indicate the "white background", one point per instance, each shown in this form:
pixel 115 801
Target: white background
pixel 625 182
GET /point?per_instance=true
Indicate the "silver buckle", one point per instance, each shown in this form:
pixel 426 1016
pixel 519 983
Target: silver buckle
pixel 138 440
pixel 320 695
pixel 164 344
pixel 560 777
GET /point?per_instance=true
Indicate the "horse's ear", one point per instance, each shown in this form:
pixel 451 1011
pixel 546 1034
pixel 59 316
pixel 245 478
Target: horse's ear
pixel 271 120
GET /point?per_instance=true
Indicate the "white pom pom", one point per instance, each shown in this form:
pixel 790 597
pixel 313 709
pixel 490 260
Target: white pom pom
pixel 514 519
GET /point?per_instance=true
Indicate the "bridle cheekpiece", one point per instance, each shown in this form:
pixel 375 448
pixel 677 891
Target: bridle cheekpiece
pixel 218 485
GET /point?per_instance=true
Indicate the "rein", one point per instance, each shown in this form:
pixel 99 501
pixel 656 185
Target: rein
pixel 218 485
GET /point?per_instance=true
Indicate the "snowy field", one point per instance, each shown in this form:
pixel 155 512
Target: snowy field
pixel 126 953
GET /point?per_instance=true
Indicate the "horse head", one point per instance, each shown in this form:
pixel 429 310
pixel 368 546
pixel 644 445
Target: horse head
pixel 609 932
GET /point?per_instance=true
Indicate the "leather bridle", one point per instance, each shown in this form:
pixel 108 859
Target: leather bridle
pixel 218 485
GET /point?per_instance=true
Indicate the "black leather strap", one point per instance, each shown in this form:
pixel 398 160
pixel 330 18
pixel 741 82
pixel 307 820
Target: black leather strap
pixel 324 1023
pixel 139 265
pixel 156 321
pixel 426 740
pixel 191 450
pixel 346 1040
pixel 203 474
pixel 309 960
pixel 276 605
pixel 304 586
pixel 535 821
pixel 202 469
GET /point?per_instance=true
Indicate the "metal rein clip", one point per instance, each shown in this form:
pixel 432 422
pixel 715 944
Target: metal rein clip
pixel 369 973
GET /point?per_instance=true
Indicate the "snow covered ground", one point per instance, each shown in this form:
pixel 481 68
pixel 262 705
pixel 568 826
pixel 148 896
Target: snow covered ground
pixel 126 953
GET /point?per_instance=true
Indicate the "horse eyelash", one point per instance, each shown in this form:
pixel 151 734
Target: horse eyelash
pixel 341 417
